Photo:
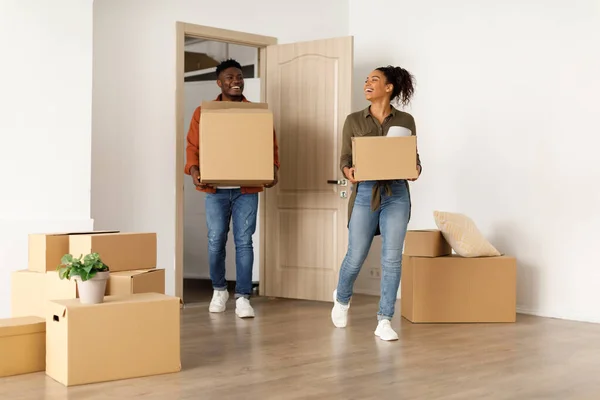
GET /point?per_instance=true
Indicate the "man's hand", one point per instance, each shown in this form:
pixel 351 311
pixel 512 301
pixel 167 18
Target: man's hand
pixel 275 180
pixel 419 174
pixel 349 172
pixel 195 173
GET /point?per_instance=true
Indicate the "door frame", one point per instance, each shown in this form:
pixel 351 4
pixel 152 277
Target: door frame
pixel 218 35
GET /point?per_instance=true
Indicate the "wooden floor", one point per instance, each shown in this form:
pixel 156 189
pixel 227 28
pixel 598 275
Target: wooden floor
pixel 291 351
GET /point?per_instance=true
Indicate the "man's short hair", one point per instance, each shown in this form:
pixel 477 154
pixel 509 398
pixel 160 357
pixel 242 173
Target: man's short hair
pixel 227 64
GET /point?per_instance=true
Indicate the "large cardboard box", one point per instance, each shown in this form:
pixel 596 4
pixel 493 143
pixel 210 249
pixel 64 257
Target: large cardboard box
pixel 384 158
pixel 120 251
pixel 426 243
pixel 22 346
pixel 46 249
pixel 454 289
pixel 131 282
pixel 236 144
pixel 124 337
pixel 31 290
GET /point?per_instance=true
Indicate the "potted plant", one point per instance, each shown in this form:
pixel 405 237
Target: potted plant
pixel 90 273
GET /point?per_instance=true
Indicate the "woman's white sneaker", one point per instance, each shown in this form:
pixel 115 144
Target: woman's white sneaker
pixel 339 313
pixel 219 301
pixel 243 309
pixel 385 332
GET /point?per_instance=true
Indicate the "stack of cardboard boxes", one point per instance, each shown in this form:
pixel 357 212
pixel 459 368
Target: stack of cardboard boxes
pixel 133 333
pixel 439 287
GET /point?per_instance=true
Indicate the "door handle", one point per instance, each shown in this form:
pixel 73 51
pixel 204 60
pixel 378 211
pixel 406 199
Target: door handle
pixel 342 182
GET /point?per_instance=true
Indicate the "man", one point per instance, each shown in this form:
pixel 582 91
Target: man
pixel 227 204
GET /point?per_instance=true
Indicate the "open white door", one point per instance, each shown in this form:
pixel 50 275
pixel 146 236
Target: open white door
pixel 309 89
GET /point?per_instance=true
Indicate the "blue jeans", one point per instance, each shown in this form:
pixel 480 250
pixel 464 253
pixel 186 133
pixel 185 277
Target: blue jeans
pixel 221 208
pixel 392 217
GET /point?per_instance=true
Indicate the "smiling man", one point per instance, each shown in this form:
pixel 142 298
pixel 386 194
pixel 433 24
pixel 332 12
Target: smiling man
pixel 228 204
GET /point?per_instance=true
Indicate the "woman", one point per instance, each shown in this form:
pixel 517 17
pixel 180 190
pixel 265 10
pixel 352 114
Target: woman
pixel 376 207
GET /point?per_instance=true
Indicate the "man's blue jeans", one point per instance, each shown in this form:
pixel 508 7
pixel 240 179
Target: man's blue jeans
pixel 222 208
pixel 392 217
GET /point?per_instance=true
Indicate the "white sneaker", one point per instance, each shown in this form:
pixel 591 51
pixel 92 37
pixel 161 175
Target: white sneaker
pixel 243 309
pixel 339 313
pixel 384 330
pixel 219 301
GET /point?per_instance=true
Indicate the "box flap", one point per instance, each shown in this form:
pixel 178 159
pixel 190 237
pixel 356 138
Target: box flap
pixel 21 326
pixel 110 301
pixel 230 105
pixel 72 233
pixel 130 274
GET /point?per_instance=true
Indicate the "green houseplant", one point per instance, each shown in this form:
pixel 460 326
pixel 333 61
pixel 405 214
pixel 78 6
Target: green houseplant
pixel 89 272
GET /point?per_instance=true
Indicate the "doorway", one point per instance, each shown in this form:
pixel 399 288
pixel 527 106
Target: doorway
pixel 201 57
pixel 205 47
pixel 307 85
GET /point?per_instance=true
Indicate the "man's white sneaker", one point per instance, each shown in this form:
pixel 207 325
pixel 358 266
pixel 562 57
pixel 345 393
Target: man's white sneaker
pixel 243 309
pixel 339 313
pixel 384 331
pixel 219 301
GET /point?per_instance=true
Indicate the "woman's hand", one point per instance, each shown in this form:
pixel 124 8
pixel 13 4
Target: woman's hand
pixel 349 172
pixel 419 174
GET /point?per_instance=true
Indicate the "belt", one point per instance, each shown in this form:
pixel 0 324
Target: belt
pixel 376 193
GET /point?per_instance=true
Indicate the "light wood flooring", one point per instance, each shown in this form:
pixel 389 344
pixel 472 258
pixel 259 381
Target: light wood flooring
pixel 291 351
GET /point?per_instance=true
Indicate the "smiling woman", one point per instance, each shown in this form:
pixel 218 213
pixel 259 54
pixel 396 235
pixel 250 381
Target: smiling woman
pixel 376 206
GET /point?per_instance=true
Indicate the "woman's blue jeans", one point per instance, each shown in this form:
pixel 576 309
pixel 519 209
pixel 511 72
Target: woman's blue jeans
pixel 392 218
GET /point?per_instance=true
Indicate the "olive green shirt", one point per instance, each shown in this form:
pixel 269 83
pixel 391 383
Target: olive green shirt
pixel 362 123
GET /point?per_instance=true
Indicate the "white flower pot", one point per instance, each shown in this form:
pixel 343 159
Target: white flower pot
pixel 92 291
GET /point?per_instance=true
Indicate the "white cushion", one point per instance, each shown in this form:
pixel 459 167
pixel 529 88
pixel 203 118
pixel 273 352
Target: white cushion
pixel 462 234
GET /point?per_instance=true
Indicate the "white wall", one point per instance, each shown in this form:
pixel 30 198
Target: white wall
pixel 506 112
pixel 133 160
pixel 45 125
pixel 195 240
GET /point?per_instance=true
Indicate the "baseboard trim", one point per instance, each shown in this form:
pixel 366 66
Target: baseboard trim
pixel 537 313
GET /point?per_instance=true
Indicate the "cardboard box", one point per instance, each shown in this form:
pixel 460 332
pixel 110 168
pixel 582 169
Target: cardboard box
pixel 236 144
pixel 426 243
pixel 46 249
pixel 384 158
pixel 132 282
pixel 120 251
pixel 197 61
pixel 454 289
pixel 124 337
pixel 31 290
pixel 22 346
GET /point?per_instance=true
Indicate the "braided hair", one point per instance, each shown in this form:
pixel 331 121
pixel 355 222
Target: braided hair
pixel 403 82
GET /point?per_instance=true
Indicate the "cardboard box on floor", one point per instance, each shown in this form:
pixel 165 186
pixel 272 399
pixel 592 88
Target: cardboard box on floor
pixel 454 289
pixel 426 243
pixel 31 290
pixel 120 251
pixel 46 249
pixel 236 144
pixel 124 337
pixel 22 346
pixel 384 158
pixel 132 282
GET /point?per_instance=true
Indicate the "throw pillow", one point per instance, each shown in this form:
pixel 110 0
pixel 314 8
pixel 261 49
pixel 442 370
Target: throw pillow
pixel 462 234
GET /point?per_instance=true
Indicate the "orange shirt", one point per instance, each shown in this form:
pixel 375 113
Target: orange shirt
pixel 193 150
